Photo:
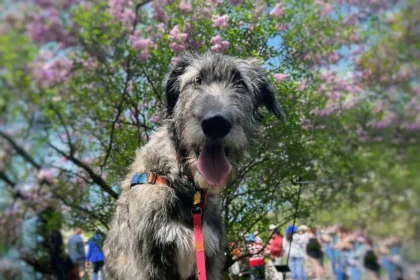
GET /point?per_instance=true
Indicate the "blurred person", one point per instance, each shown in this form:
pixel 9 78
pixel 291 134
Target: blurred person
pixel 303 231
pixel 385 254
pixel 327 241
pixel 396 258
pixel 256 260
pixel 356 257
pixel 294 247
pixel 275 246
pixel 62 266
pixel 315 253
pixel 77 251
pixel 241 266
pixel 96 255
pixel 343 249
pixel 370 261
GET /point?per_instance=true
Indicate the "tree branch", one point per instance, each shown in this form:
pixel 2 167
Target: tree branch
pixel 95 177
pixel 20 150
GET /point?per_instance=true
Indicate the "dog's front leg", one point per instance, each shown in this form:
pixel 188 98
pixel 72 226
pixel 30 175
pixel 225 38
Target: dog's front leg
pixel 181 240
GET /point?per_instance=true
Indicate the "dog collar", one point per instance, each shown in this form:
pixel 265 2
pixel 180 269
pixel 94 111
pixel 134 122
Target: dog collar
pixel 147 178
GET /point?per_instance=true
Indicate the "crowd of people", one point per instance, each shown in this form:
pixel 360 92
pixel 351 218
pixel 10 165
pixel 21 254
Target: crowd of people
pixel 75 264
pixel 332 252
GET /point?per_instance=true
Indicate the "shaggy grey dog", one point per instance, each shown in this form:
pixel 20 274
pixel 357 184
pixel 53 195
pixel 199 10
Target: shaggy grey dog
pixel 210 120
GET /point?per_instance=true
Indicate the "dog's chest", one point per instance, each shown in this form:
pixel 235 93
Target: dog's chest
pixel 186 258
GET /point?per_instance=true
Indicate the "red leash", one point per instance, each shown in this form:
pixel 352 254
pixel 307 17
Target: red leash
pixel 199 203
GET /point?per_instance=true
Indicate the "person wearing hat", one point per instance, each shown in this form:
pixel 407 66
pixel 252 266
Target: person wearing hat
pixel 275 246
pixel 294 247
pixel 303 231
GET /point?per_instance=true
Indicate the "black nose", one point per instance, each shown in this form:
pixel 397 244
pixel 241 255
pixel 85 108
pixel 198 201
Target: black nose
pixel 216 125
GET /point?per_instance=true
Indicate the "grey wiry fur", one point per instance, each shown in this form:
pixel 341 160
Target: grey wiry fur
pixel 151 235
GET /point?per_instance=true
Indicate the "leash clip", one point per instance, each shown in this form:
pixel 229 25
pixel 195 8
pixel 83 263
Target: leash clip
pixel 196 210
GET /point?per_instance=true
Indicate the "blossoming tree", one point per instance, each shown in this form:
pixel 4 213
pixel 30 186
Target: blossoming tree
pixel 80 91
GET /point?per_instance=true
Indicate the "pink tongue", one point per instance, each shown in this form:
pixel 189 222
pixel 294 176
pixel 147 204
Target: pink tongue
pixel 214 165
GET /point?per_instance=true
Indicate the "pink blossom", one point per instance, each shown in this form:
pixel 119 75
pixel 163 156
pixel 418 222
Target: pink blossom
pixel 160 13
pixel 176 47
pixel 144 55
pixel 351 20
pixel 175 60
pixel 378 139
pixel 378 107
pixel 282 27
pixel 67 3
pixel 234 2
pixel 354 37
pixel 184 6
pixel 322 89
pixel 45 175
pixel 306 123
pixel 122 11
pixel 333 57
pixel 44 3
pixel 53 72
pixel 277 11
pixel 390 19
pixel 328 8
pixel 50 28
pixel 221 21
pixel 36 31
pixel 218 45
pixel 334 95
pixel 155 118
pixel 301 86
pixel 127 17
pixel 307 57
pixel 179 39
pixel 281 77
pixel 141 45
pixel 350 103
pixel 414 126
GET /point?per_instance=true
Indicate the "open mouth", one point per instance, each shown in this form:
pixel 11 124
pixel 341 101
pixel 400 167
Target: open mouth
pixel 213 164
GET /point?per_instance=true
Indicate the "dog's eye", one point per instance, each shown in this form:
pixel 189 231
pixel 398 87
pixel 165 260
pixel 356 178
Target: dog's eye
pixel 196 81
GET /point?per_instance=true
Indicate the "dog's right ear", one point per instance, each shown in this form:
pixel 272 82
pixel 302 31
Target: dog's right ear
pixel 171 86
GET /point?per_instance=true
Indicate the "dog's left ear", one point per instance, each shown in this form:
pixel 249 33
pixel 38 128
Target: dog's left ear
pixel 267 97
pixel 171 85
pixel 265 92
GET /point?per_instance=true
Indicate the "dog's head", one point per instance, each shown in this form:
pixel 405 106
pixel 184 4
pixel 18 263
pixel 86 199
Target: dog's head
pixel 213 102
